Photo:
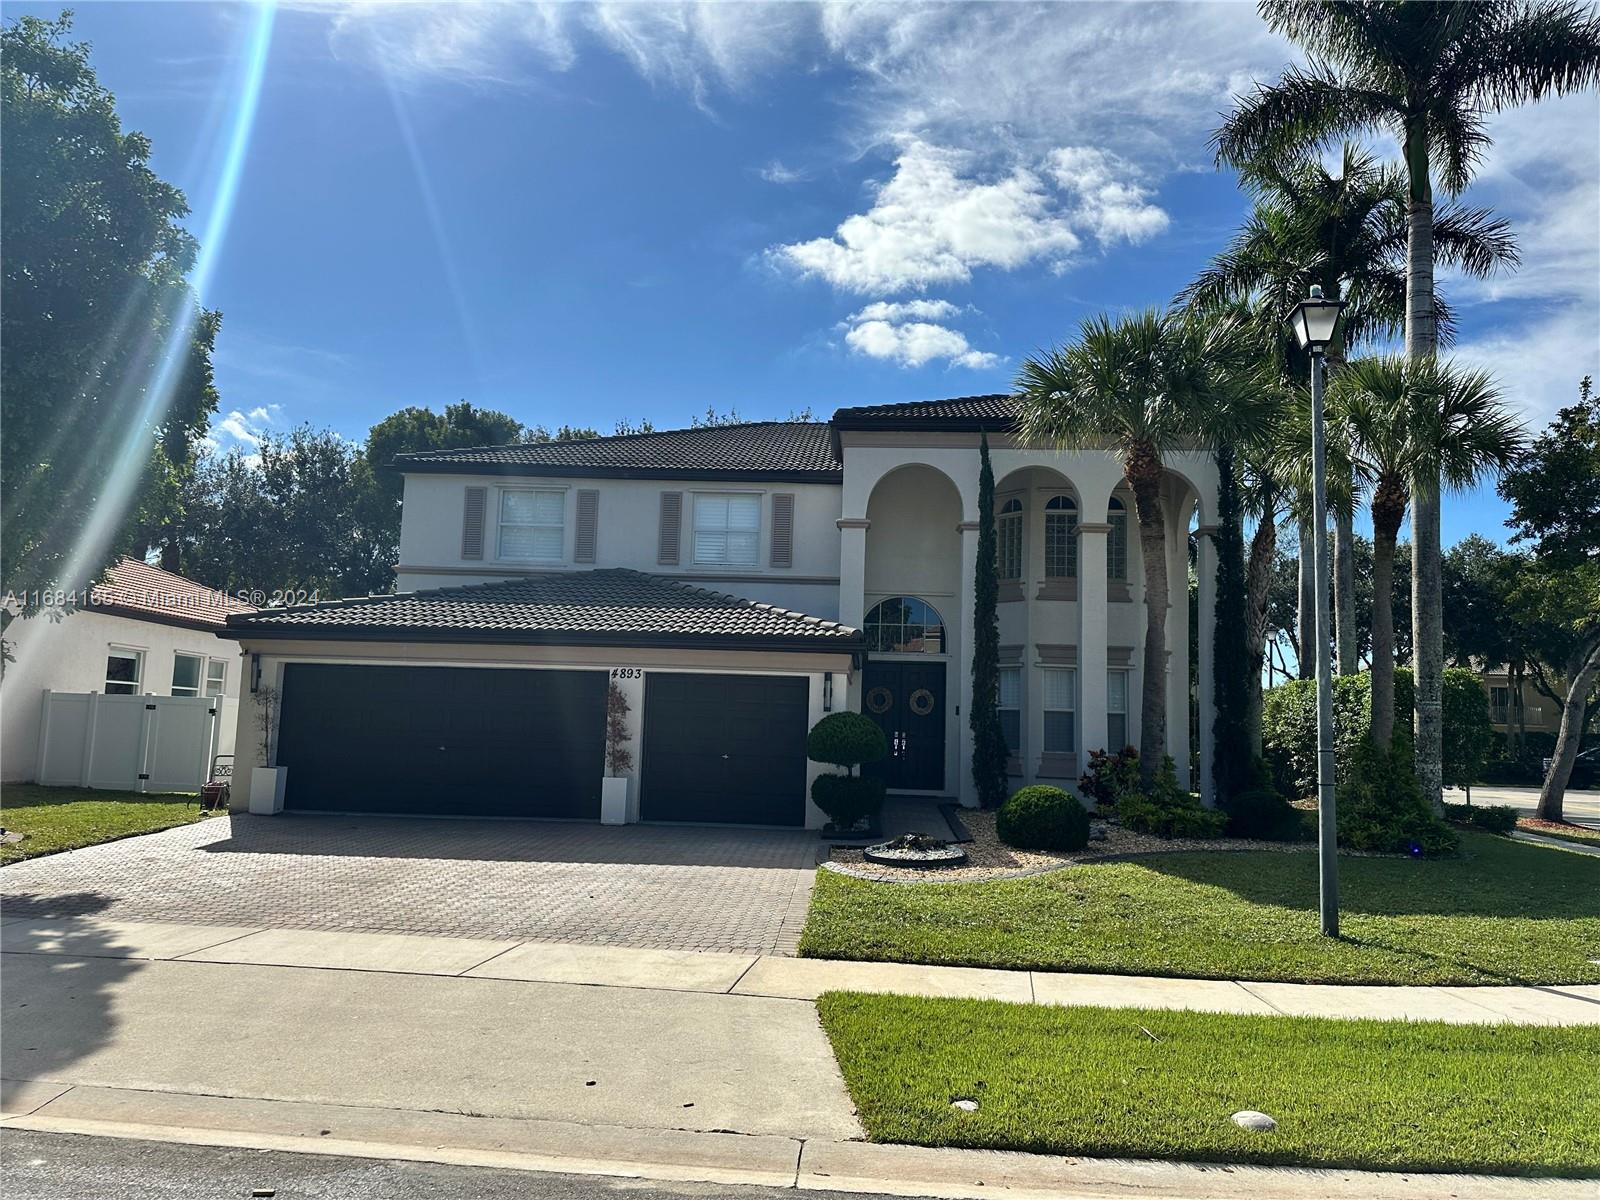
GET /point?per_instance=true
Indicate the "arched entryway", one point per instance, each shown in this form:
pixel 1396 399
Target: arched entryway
pixel 904 690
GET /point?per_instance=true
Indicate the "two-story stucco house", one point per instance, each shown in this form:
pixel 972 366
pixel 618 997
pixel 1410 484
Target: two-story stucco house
pixel 737 583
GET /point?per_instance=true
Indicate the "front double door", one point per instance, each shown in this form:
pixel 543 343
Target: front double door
pixel 907 700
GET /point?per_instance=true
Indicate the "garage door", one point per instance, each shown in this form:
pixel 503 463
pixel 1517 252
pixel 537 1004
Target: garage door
pixel 443 740
pixel 725 748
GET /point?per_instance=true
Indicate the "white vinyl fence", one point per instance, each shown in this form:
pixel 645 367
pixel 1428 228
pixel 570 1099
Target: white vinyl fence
pixel 130 743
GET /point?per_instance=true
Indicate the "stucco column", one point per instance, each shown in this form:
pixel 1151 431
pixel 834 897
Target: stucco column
pixel 1178 648
pixel 1206 578
pixel 966 789
pixel 1092 627
pixel 853 570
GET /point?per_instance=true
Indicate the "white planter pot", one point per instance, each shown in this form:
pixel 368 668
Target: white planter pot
pixel 266 789
pixel 614 800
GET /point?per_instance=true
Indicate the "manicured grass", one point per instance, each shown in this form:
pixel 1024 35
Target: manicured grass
pixel 1502 913
pixel 1120 1082
pixel 57 819
pixel 1554 829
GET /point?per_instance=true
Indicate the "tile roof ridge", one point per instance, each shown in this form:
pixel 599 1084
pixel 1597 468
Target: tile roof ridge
pixel 632 435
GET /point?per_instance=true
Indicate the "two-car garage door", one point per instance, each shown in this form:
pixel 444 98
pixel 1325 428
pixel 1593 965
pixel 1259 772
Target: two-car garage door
pixel 531 743
pixel 456 740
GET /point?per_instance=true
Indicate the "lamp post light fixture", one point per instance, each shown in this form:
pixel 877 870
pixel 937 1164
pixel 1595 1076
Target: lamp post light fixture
pixel 1314 321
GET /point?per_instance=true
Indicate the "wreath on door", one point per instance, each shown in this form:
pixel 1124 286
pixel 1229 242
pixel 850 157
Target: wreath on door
pixel 920 702
pixel 880 699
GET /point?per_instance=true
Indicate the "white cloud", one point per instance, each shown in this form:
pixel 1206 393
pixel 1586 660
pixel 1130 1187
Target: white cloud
pixel 908 333
pixel 932 223
pixel 1538 363
pixel 777 172
pixel 235 429
pixel 1108 203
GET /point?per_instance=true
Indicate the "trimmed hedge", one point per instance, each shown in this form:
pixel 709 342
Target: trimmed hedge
pixel 1043 818
pixel 847 799
pixel 1168 811
pixel 1381 810
pixel 1493 818
pixel 846 739
pixel 1265 814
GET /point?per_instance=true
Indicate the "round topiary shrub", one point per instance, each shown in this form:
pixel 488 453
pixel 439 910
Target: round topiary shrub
pixel 846 739
pixel 1043 818
pixel 1263 813
pixel 847 799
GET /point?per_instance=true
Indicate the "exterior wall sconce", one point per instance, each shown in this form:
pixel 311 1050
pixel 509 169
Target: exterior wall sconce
pixel 827 691
pixel 255 673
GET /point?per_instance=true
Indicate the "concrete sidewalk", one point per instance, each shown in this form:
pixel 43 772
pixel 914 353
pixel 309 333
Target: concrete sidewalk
pixel 775 978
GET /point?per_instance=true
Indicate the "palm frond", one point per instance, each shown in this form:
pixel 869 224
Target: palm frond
pixel 1300 115
pixel 1524 53
pixel 1474 240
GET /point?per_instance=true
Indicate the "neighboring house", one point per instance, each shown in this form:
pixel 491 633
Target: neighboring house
pixel 145 631
pixel 737 582
pixel 1523 708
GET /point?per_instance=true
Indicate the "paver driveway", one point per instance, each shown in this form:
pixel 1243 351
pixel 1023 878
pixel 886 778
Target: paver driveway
pixel 684 888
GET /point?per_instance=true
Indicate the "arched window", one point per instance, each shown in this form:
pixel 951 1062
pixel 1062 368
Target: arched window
pixel 1061 538
pixel 1009 537
pixel 1117 541
pixel 905 625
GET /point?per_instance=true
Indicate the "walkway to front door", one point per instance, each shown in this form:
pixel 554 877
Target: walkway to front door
pixel 906 699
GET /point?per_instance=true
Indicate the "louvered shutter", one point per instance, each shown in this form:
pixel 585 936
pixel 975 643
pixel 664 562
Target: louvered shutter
pixel 783 529
pixel 472 514
pixel 671 528
pixel 583 549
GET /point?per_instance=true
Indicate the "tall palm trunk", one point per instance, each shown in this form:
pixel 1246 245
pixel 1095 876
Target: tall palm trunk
pixel 1388 511
pixel 1306 611
pixel 1143 470
pixel 1427 588
pixel 1258 582
pixel 1344 591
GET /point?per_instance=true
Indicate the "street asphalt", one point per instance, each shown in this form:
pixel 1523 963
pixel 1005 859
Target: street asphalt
pixel 63 1166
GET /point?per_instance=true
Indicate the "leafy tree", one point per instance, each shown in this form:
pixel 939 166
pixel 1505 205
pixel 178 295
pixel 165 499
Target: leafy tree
pixel 1232 753
pixel 304 515
pixel 988 738
pixel 1409 423
pixel 414 429
pixel 1430 75
pixel 1468 735
pixel 93 301
pixel 1146 384
pixel 1557 598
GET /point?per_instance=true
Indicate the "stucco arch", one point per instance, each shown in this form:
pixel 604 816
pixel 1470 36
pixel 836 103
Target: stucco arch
pixel 913 536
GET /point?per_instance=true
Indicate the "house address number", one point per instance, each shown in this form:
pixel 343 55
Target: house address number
pixel 627 673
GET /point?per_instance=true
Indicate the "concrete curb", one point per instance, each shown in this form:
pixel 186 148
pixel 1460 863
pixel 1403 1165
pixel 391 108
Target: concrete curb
pixel 684 1156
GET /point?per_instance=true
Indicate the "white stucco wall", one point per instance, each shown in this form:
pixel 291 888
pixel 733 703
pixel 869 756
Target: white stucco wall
pixel 628 531
pixel 69 655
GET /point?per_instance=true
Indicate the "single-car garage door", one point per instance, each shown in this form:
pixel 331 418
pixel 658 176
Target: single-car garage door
pixel 443 740
pixel 725 748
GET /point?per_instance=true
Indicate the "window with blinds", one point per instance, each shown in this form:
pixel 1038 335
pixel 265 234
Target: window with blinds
pixel 531 525
pixel 1060 710
pixel 1116 710
pixel 1117 542
pixel 727 529
pixel 1008 532
pixel 1061 538
pixel 1011 707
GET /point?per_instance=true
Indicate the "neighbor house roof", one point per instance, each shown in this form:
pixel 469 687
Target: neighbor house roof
pixel 960 414
pixel 133 588
pixel 783 451
pixel 614 607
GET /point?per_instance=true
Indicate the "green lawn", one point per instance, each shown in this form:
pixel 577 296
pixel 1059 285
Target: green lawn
pixel 56 818
pixel 1502 913
pixel 1120 1082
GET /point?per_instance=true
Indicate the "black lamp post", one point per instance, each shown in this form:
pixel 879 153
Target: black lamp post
pixel 1314 321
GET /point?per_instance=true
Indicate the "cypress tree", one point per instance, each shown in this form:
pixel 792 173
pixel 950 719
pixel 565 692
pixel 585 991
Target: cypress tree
pixel 1232 767
pixel 989 752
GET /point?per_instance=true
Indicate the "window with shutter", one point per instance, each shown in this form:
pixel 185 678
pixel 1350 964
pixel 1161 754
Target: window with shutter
pixel 532 525
pixel 783 530
pixel 583 547
pixel 671 528
pixel 727 529
pixel 477 499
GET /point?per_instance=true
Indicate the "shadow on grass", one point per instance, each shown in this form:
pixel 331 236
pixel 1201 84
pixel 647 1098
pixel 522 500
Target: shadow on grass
pixel 1494 877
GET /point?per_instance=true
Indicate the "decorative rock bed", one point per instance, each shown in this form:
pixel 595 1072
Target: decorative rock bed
pixel 987 857
pixel 917 851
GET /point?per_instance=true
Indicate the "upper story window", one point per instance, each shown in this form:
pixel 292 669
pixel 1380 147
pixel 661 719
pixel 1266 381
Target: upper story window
pixel 217 677
pixel 124 671
pixel 532 525
pixel 186 669
pixel 1009 539
pixel 727 529
pixel 1117 541
pixel 905 625
pixel 1061 538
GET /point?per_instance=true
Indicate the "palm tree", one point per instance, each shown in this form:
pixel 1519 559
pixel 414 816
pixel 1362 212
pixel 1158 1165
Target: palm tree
pixel 1145 384
pixel 1346 233
pixel 1405 421
pixel 1430 74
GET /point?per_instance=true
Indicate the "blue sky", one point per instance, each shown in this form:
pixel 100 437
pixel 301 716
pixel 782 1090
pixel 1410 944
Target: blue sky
pixel 588 214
